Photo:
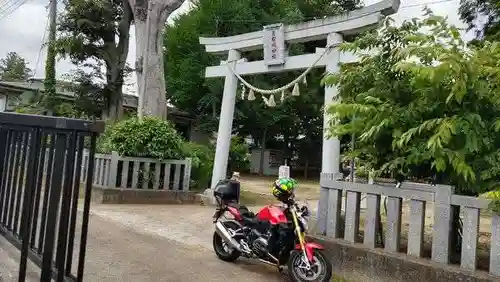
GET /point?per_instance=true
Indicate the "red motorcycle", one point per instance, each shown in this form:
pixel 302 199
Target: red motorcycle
pixel 275 235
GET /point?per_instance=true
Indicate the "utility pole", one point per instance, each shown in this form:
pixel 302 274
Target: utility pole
pixel 50 61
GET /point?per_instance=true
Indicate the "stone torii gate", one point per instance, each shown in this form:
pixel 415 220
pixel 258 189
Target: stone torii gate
pixel 332 28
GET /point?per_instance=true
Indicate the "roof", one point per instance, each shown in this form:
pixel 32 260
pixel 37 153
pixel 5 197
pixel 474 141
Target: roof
pixel 63 90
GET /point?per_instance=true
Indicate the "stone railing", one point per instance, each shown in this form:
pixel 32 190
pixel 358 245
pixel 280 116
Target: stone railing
pixel 115 171
pixel 439 199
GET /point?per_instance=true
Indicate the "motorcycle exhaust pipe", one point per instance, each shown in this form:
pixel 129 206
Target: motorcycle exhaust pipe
pixel 223 232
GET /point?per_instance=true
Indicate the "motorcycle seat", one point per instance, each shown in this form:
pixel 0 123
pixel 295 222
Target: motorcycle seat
pixel 247 215
pixel 241 208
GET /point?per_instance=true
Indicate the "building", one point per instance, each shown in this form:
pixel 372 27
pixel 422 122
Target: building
pixel 13 92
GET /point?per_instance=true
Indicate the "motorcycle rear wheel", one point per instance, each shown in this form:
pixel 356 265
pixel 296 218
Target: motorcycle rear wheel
pixel 321 268
pixel 222 249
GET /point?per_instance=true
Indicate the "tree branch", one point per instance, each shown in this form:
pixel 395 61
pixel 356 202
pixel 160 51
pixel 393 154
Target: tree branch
pixel 171 6
pixel 124 34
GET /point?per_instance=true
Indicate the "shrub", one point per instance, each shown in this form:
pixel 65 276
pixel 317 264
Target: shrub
pixel 239 155
pixel 202 160
pixel 152 137
pixel 156 138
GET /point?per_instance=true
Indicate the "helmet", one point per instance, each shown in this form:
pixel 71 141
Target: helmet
pixel 283 188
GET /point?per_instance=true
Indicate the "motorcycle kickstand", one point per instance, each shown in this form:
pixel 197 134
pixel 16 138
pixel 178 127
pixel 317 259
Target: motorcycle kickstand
pixel 277 263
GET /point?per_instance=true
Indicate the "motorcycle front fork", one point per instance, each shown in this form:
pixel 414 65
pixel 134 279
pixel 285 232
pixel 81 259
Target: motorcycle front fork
pixel 301 237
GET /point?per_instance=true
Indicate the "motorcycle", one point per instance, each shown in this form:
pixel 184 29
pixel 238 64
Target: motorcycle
pixel 275 235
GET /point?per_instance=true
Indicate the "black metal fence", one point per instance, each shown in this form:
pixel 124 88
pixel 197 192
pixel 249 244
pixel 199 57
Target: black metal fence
pixel 40 192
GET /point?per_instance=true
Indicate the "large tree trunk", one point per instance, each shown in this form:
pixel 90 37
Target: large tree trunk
pixel 149 54
pixel 114 82
pixel 306 168
pixel 115 107
pixel 115 111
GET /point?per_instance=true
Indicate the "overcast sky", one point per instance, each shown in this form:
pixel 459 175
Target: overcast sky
pixel 23 29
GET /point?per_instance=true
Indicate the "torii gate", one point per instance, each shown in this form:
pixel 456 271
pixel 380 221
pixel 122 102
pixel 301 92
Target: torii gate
pixel 332 28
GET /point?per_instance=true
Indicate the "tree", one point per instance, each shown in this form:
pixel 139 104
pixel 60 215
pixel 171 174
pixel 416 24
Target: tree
pixel 423 106
pixel 482 15
pixel 149 20
pixel 435 101
pixel 98 30
pixel 14 67
pixel 322 8
pixel 88 92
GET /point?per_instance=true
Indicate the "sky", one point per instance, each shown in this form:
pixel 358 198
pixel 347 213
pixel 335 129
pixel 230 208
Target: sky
pixel 22 30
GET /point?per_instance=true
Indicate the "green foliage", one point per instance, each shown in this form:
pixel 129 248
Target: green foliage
pixel 202 160
pixel 49 98
pixel 152 137
pixel 422 104
pixel 239 155
pixel 88 93
pixel 98 30
pixel 65 110
pixel 494 197
pixel 14 67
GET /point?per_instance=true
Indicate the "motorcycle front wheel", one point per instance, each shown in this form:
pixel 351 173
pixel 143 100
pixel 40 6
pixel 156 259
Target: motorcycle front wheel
pixel 320 269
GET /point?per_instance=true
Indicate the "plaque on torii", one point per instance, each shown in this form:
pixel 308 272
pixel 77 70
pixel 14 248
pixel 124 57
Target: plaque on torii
pixel 273 38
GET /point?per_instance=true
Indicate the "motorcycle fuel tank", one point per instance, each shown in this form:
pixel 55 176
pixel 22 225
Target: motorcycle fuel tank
pixel 272 214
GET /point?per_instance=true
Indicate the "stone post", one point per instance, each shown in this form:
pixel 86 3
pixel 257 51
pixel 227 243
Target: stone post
pixel 443 217
pixel 113 169
pixel 331 146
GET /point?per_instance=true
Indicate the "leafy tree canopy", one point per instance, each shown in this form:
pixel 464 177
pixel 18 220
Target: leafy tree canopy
pixel 88 92
pixel 14 67
pixel 422 104
pixel 98 30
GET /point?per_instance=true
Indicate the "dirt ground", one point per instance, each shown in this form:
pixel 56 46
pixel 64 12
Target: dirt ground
pixel 308 189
